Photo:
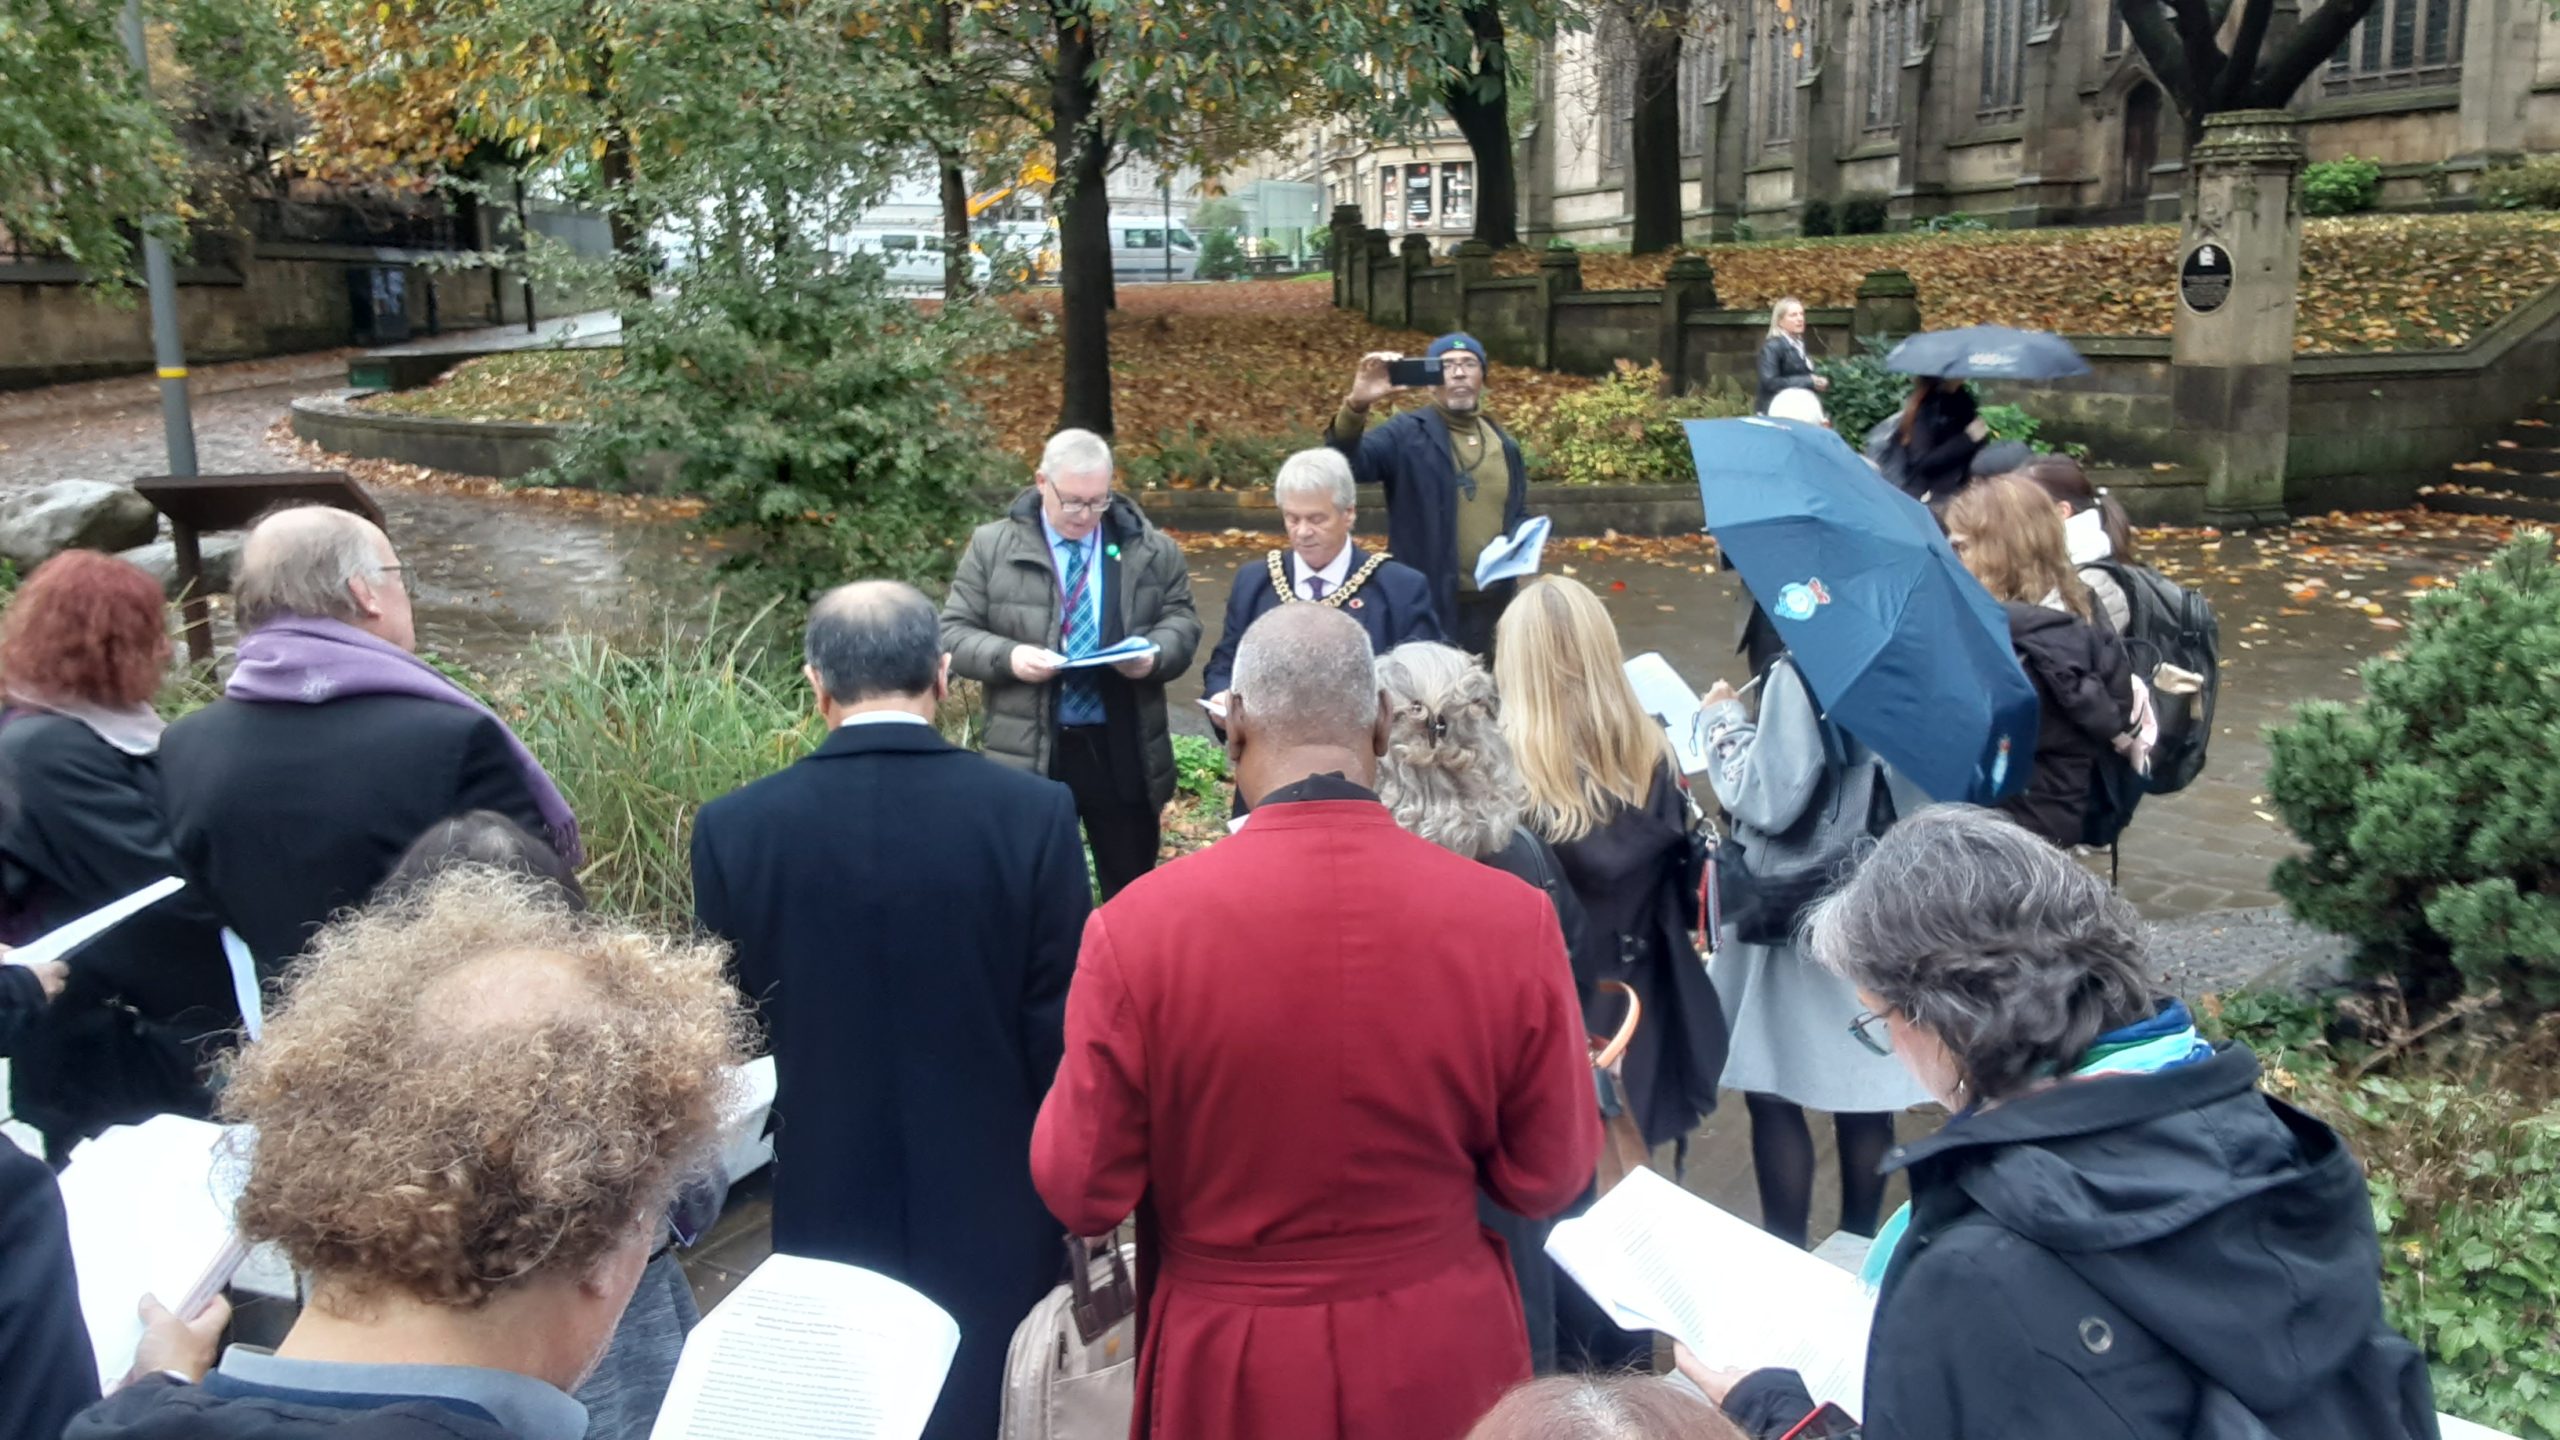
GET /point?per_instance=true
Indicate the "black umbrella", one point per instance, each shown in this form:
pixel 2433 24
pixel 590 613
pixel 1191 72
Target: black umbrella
pixel 1987 352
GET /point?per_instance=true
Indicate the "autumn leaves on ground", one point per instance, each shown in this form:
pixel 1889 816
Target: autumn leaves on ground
pixel 1267 361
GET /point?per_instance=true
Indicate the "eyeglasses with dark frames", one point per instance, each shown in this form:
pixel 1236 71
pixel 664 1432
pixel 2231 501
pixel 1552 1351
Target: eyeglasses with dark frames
pixel 1865 1026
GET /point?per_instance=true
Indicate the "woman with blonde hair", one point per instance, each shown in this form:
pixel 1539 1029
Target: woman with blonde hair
pixel 1448 776
pixel 1603 791
pixel 2009 535
pixel 1784 364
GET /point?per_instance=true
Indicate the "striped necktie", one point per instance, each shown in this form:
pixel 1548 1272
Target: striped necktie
pixel 1079 694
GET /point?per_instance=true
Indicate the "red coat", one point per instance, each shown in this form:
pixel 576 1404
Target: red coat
pixel 1305 1048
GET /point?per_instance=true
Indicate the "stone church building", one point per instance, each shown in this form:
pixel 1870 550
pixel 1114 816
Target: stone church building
pixel 2021 112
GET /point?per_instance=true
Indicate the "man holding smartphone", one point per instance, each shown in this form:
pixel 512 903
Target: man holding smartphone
pixel 1453 479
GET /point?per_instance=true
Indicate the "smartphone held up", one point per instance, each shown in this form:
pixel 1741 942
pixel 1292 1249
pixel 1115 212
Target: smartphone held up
pixel 1414 374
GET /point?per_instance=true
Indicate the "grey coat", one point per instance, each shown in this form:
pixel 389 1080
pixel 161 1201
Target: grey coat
pixel 1789 1018
pixel 1006 595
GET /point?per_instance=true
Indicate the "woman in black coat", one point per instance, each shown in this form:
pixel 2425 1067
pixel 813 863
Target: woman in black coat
pixel 1784 365
pixel 1449 777
pixel 2117 1236
pixel 2011 538
pixel 82 649
pixel 1928 447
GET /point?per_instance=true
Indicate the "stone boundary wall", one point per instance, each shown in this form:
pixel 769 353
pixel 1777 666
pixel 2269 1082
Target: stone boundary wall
pixel 2367 430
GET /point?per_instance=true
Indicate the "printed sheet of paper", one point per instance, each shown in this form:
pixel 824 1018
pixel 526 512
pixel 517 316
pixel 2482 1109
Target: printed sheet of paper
pixel 1509 557
pixel 811 1350
pixel 150 1214
pixel 1655 1257
pixel 60 942
pixel 1667 698
pixel 1129 649
pixel 2455 1428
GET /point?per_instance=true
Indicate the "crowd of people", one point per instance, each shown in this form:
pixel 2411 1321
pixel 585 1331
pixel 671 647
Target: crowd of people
pixel 1336 1072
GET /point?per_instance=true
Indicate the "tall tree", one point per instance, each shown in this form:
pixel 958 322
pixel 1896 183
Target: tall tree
pixel 91 157
pixel 2207 62
pixel 1476 91
pixel 1653 148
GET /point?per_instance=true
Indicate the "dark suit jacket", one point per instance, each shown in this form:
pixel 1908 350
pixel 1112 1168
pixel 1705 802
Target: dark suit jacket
pixel 1409 458
pixel 1393 606
pixel 284 814
pixel 79 827
pixel 907 914
pixel 47 1371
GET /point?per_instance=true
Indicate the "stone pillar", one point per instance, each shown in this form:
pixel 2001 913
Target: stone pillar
pixel 1819 100
pixel 1474 264
pixel 2501 49
pixel 1888 307
pixel 2239 264
pixel 1413 254
pixel 1559 273
pixel 1385 278
pixel 1720 181
pixel 1688 287
pixel 1337 251
pixel 2048 153
pixel 1920 174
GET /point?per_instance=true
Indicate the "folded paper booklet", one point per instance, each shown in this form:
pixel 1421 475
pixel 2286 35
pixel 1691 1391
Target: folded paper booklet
pixel 811 1350
pixel 64 940
pixel 1509 557
pixel 1129 649
pixel 1655 1257
pixel 149 1207
pixel 1667 698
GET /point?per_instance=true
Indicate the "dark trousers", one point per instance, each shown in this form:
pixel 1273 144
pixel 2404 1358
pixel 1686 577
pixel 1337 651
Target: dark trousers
pixel 1125 834
pixel 1478 613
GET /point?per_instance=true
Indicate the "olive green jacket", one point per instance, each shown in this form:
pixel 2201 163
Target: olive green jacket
pixel 1006 595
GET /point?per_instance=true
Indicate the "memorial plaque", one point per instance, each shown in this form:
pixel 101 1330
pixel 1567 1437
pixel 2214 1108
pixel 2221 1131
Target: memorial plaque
pixel 2204 281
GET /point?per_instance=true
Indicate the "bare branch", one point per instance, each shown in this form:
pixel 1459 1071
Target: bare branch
pixel 2305 50
pixel 2254 16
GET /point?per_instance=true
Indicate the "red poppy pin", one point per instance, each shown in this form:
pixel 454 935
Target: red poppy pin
pixel 1355 602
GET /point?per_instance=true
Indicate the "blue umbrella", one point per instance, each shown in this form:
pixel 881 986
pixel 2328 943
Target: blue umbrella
pixel 1987 352
pixel 1899 644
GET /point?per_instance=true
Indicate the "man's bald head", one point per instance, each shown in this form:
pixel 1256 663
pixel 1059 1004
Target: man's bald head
pixel 874 640
pixel 321 563
pixel 1306 674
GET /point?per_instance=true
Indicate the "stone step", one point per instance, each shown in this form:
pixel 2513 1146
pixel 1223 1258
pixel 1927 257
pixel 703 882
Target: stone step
pixel 2531 486
pixel 2469 500
pixel 2526 458
pixel 2532 431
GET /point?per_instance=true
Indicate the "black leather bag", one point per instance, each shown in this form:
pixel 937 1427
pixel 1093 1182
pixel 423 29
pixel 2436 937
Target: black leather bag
pixel 1763 889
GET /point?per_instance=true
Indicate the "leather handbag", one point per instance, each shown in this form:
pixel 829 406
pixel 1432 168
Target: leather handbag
pixel 1622 1147
pixel 1072 1370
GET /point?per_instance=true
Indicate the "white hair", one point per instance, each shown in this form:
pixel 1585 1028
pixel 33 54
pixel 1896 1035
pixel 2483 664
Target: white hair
pixel 1304 674
pixel 1798 404
pixel 298 560
pixel 1778 312
pixel 1075 452
pixel 1448 775
pixel 1319 471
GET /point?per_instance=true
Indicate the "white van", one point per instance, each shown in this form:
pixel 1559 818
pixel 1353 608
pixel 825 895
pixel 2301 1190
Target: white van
pixel 1139 252
pixel 913 257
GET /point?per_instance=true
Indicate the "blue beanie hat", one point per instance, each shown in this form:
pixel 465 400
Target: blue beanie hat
pixel 1458 340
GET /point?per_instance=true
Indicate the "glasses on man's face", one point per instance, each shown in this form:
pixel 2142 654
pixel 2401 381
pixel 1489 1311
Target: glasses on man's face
pixel 1871 1030
pixel 1078 507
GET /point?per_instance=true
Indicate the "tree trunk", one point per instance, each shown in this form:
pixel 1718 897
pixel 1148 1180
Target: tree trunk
pixel 1083 204
pixel 1480 104
pixel 630 237
pixel 957 280
pixel 1653 149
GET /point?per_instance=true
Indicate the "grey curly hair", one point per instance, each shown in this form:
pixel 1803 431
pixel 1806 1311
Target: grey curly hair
pixel 1448 775
pixel 2015 956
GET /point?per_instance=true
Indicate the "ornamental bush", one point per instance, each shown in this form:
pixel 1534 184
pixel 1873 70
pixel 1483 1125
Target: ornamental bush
pixel 2530 184
pixel 1864 215
pixel 2430 809
pixel 1862 391
pixel 1619 432
pixel 2340 187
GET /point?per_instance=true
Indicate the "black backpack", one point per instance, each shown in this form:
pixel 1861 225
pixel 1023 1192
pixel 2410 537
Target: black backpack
pixel 2167 623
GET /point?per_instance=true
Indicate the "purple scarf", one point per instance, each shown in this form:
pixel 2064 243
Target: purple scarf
pixel 304 661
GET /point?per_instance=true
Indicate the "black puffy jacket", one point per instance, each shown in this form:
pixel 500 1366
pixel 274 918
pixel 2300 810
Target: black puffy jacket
pixel 2084 691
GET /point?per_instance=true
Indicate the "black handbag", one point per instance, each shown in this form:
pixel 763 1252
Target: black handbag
pixel 1763 889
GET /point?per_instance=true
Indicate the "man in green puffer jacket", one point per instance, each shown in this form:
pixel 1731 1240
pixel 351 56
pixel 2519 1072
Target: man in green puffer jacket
pixel 1071 569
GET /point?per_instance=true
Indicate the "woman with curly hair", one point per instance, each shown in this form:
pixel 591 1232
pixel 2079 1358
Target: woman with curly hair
pixel 473 1110
pixel 83 647
pixel 1448 776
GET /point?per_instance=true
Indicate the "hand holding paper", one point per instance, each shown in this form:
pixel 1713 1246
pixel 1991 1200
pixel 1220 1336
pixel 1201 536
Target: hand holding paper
pixel 1508 557
pixel 1129 649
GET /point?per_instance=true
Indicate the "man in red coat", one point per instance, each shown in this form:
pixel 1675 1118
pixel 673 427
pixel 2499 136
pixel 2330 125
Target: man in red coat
pixel 1305 1049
